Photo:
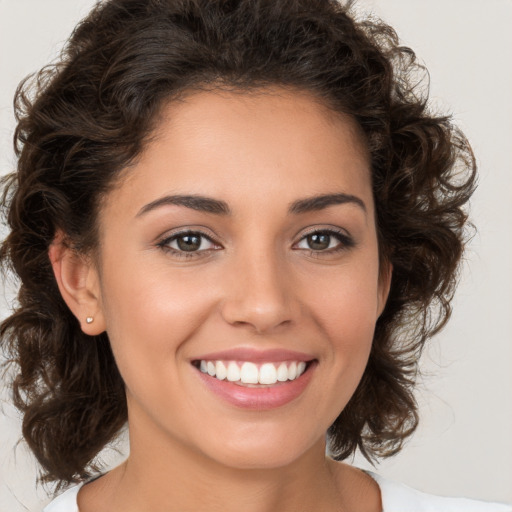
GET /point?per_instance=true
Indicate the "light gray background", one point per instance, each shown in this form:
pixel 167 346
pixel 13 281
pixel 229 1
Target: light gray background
pixel 464 444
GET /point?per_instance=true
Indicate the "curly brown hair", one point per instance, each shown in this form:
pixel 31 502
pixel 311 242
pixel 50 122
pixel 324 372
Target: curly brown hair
pixel 83 120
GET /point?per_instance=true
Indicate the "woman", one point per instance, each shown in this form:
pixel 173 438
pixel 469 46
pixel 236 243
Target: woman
pixel 232 222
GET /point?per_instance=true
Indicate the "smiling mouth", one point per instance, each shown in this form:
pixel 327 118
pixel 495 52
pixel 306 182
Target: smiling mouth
pixel 249 374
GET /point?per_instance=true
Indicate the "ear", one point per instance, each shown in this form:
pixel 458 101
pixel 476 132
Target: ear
pixel 79 285
pixel 385 275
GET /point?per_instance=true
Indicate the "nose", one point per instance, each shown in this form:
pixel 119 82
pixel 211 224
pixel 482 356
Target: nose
pixel 260 294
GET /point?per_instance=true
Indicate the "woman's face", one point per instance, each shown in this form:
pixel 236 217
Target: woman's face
pixel 241 245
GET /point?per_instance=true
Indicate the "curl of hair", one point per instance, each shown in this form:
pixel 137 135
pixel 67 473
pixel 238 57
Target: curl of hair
pixel 86 118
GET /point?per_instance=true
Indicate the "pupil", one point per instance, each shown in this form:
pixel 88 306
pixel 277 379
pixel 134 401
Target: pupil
pixel 189 242
pixel 319 241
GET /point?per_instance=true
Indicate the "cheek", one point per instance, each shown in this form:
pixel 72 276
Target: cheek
pixel 150 315
pixel 346 311
pixel 347 305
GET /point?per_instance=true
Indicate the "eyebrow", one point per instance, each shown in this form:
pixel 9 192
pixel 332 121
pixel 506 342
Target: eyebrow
pixel 219 207
pixel 316 203
pixel 200 203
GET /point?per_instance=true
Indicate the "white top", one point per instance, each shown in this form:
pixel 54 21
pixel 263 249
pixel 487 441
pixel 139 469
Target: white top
pixel 396 497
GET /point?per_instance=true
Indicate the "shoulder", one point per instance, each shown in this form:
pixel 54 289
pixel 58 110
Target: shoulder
pixel 397 497
pixel 66 502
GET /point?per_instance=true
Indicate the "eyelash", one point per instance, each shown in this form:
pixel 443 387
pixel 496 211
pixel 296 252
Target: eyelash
pixel 345 242
pixel 165 244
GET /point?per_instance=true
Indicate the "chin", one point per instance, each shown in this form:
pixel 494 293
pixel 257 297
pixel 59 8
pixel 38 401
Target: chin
pixel 261 451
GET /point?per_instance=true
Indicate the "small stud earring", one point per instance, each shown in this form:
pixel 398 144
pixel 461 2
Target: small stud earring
pixel 89 320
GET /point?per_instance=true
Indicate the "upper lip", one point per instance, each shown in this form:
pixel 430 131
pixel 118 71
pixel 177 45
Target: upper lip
pixel 255 355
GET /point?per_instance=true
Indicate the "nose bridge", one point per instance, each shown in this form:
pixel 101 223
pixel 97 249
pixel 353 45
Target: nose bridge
pixel 260 294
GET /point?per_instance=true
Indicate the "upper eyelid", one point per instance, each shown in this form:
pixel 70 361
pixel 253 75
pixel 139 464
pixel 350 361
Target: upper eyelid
pixel 344 238
pixel 200 230
pixel 164 244
pixel 322 229
pixel 218 240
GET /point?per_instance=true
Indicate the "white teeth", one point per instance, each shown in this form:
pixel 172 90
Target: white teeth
pixel 220 370
pixel 250 373
pixel 233 372
pixel 282 372
pixel 292 371
pixel 268 374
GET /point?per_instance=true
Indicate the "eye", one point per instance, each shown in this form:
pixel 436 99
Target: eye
pixel 325 241
pixel 188 242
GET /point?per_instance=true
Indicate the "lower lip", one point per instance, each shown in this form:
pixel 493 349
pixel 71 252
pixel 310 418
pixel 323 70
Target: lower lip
pixel 258 398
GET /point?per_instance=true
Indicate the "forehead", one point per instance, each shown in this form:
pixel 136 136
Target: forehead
pixel 268 144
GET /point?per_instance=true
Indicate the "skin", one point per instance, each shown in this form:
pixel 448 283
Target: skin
pixel 258 285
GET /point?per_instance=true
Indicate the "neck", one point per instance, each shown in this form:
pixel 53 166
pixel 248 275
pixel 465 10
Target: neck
pixel 193 482
pixel 164 478
pixel 164 474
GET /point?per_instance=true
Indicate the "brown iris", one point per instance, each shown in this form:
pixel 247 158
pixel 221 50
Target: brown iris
pixel 318 241
pixel 189 242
